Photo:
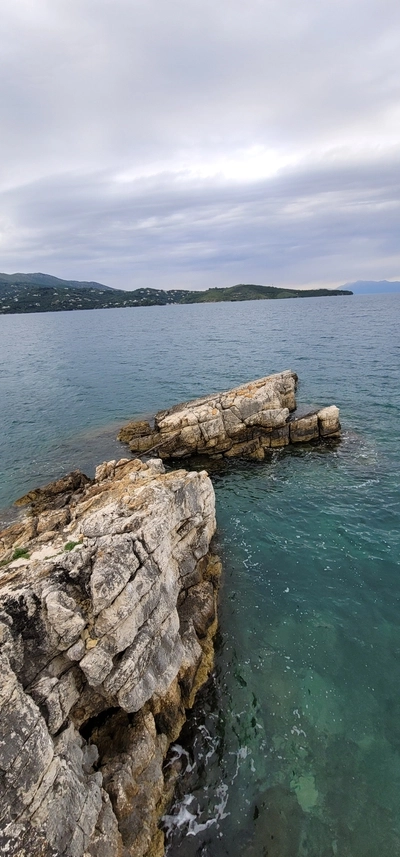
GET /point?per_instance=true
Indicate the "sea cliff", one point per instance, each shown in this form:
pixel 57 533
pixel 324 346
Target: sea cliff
pixel 108 609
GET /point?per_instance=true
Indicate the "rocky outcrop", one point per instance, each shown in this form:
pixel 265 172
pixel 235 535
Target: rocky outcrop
pixel 244 421
pixel 108 608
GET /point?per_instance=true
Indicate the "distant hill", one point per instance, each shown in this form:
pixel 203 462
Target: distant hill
pixel 373 287
pixel 46 280
pixel 244 292
pixel 21 293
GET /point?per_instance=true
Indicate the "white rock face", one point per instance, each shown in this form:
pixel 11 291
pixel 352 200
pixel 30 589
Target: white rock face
pixel 104 627
pixel 328 419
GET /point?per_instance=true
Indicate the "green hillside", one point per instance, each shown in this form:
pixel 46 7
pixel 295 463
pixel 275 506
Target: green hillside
pixel 46 281
pixel 244 292
pixel 22 293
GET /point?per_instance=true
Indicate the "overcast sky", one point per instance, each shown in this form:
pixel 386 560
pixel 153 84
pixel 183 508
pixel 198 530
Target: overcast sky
pixel 198 143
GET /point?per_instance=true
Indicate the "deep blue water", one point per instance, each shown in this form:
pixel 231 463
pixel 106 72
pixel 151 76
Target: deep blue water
pixel 298 738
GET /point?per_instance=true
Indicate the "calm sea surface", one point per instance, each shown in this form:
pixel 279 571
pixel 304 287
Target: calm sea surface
pixel 295 748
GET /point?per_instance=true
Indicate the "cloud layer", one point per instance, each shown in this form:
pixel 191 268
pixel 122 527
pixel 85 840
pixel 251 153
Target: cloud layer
pixel 194 144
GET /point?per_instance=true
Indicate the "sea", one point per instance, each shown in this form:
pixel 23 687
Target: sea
pixel 293 748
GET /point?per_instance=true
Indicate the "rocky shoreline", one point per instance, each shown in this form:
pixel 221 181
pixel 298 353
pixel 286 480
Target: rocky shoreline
pixel 108 611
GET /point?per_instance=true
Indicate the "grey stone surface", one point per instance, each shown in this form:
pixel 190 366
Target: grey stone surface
pixel 304 429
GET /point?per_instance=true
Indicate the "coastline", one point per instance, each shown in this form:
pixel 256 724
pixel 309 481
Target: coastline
pixel 321 521
pixel 120 632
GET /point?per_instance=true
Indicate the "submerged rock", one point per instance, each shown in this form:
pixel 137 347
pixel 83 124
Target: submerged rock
pixel 244 421
pixel 106 624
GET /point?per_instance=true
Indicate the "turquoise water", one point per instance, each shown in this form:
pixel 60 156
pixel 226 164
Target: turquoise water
pixel 295 748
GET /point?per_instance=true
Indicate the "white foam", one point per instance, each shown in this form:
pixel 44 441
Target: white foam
pixel 178 752
pixel 187 815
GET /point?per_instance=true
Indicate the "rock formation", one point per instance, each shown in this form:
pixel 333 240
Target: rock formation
pixel 107 614
pixel 244 421
pixel 108 608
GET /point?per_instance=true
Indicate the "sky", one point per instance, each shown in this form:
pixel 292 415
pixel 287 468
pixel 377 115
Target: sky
pixel 195 143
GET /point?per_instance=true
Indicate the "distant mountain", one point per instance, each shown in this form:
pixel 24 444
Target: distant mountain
pixel 21 293
pixel 373 287
pixel 46 281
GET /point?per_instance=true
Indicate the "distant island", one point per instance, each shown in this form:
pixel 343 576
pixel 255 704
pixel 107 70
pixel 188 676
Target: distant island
pixel 374 287
pixel 20 293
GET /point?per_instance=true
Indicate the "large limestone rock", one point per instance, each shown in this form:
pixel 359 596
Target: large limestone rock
pixel 244 421
pixel 106 624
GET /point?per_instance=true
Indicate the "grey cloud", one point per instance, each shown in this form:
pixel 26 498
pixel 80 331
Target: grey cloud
pixel 305 226
pixel 92 89
pixel 116 79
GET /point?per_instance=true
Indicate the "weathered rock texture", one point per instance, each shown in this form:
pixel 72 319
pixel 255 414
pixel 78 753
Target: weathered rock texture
pixel 103 646
pixel 241 422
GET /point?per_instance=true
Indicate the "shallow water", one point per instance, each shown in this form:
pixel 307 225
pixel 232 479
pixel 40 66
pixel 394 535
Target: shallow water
pixel 308 665
pixel 296 743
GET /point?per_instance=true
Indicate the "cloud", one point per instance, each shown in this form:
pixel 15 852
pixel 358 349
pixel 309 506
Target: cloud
pixel 193 143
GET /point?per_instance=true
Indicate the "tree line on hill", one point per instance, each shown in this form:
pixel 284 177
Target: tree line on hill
pixel 22 293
